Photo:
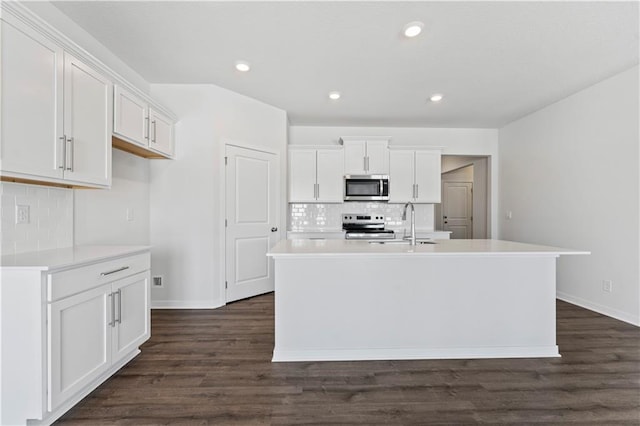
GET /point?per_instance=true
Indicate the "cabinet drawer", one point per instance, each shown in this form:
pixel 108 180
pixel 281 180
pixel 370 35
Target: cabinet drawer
pixel 72 281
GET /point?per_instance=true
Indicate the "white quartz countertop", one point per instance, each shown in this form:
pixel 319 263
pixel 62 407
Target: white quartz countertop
pixel 66 257
pixel 325 248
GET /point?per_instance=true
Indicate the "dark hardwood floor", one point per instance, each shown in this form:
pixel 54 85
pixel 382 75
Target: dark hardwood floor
pixel 214 367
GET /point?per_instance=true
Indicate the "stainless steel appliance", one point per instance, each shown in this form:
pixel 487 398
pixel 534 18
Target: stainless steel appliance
pixel 365 226
pixel 366 188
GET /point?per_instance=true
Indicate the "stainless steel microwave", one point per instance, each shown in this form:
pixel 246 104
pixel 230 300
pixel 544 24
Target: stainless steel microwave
pixel 366 188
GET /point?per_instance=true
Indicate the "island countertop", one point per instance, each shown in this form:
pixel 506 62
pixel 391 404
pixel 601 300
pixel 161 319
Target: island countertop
pixel 341 248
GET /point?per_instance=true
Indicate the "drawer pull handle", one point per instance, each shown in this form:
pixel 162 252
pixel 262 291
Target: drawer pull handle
pixel 104 274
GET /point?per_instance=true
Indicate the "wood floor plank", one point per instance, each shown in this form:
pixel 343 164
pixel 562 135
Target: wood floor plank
pixel 213 367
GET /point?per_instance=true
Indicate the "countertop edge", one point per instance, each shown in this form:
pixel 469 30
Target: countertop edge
pixel 58 259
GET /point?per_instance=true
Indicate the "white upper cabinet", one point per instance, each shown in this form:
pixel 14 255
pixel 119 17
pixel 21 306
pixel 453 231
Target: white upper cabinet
pixel 401 176
pixel 87 112
pixel 414 175
pixel 329 175
pixel 55 113
pixel 315 175
pixel 130 115
pixel 137 123
pixel 160 133
pixel 428 177
pixel 364 156
pixel 32 103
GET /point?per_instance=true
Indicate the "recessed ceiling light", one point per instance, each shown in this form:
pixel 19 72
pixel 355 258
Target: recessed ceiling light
pixel 412 29
pixel 436 98
pixel 334 96
pixel 242 66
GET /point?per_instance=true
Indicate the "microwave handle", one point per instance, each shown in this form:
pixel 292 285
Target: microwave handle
pixel 381 187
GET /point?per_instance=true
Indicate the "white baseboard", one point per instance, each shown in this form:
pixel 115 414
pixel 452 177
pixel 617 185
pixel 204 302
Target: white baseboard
pixel 415 353
pixel 601 309
pixel 185 304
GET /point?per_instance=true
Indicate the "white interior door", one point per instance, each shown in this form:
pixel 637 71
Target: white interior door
pixel 457 209
pixel 252 221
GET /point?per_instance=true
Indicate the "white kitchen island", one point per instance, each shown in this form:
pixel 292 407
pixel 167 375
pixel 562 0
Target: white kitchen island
pixel 352 300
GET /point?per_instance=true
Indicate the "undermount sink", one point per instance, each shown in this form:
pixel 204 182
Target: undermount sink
pixel 401 242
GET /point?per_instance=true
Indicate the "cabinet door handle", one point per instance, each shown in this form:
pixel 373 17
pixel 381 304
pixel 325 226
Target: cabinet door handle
pixel 274 229
pixel 112 323
pixel 63 138
pixel 119 292
pixel 318 196
pixel 103 274
pixel 154 131
pixel 417 191
pixel 146 136
pixel 71 153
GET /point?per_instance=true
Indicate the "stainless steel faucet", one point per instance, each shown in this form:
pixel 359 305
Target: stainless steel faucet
pixel 412 239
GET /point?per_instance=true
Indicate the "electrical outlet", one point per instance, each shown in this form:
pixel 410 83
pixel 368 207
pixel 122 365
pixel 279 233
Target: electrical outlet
pixel 22 214
pixel 157 281
pixel 129 215
pixel 509 215
pixel 607 285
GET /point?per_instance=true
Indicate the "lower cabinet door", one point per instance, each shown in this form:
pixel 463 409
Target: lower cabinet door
pixel 132 314
pixel 79 342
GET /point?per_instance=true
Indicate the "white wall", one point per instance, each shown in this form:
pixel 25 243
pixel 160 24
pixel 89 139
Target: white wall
pixel 100 216
pixel 569 173
pixel 187 221
pixel 468 142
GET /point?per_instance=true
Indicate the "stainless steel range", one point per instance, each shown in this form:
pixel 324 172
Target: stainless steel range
pixel 364 226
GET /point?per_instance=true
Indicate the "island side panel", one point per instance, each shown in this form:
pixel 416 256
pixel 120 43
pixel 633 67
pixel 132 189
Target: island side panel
pixel 414 307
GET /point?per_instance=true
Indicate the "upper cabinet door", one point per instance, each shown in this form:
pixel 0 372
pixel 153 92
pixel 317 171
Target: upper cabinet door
pixel 87 113
pixel 130 117
pixel 428 169
pixel 31 81
pixel 355 153
pixel 401 176
pixel 377 157
pixel 302 175
pixel 329 175
pixel 160 133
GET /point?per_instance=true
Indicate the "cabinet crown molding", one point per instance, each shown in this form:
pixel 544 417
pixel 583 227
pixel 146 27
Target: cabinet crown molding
pixel 348 139
pixel 19 11
pixel 417 147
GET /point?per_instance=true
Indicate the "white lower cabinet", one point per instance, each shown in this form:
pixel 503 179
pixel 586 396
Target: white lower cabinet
pixel 79 342
pixel 91 331
pixel 71 328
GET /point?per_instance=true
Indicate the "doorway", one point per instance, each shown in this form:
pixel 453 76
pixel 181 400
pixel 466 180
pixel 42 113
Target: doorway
pixel 465 197
pixel 251 199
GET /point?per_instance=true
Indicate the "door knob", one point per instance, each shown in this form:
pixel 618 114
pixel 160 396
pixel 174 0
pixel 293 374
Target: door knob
pixel 274 229
pixel 444 217
pixel 446 221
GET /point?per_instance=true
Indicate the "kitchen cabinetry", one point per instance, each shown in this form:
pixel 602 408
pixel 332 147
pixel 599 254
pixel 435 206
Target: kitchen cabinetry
pixel 316 175
pixel 56 113
pixel 366 156
pixel 138 125
pixel 77 315
pixel 414 175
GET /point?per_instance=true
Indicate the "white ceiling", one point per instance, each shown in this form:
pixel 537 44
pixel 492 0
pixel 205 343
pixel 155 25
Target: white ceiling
pixel 493 61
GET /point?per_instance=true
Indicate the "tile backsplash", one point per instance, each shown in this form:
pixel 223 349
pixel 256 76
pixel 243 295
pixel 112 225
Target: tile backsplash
pixel 312 216
pixel 50 222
